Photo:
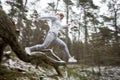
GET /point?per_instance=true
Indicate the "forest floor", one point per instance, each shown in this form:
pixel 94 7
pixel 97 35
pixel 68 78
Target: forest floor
pixel 15 69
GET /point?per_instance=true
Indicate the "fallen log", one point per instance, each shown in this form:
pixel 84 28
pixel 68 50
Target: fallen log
pixel 9 37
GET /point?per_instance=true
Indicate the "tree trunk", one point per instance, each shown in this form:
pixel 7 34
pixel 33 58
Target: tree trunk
pixel 86 38
pixel 2 47
pixel 67 17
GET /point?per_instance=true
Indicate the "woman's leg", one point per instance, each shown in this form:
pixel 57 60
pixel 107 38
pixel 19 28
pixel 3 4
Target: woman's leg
pixel 63 45
pixel 49 38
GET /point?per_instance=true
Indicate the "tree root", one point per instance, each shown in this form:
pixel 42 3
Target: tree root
pixel 40 57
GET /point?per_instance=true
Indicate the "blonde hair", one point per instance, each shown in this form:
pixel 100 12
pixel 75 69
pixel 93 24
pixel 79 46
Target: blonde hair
pixel 60 14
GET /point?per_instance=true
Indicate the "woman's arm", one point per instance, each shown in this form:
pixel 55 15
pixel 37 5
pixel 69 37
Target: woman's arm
pixel 65 26
pixel 48 17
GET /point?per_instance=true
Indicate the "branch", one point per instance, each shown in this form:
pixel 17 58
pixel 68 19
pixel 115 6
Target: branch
pixel 39 57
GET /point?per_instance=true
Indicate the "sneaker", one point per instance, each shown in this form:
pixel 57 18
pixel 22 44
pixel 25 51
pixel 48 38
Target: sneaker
pixel 72 59
pixel 27 50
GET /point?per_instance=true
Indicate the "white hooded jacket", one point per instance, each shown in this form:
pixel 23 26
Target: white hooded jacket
pixel 55 23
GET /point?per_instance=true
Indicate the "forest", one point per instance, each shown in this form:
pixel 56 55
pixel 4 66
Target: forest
pixel 93 38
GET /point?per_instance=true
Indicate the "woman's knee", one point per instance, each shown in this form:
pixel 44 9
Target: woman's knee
pixel 63 45
pixel 40 46
pixel 44 46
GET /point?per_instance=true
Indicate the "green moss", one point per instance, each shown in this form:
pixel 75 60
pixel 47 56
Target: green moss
pixel 73 71
pixel 6 74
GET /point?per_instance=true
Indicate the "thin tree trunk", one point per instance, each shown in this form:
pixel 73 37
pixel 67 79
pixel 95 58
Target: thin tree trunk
pixel 67 17
pixel 56 6
pixel 86 38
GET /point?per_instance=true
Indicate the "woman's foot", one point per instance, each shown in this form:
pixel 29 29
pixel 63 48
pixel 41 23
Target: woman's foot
pixel 27 50
pixel 72 59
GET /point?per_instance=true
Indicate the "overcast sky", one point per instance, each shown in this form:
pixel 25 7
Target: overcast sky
pixel 41 5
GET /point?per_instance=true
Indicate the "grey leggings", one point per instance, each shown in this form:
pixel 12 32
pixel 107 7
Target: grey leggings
pixel 51 37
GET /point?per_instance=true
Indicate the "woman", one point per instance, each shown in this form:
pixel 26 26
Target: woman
pixel 55 27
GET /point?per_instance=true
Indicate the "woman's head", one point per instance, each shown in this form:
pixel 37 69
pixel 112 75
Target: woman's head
pixel 61 15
